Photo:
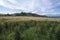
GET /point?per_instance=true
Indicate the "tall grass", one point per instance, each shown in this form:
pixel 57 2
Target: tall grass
pixel 30 30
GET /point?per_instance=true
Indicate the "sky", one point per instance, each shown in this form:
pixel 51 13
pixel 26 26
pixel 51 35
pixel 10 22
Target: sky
pixel 42 7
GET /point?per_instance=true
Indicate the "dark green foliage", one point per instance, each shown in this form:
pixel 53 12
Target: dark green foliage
pixel 18 35
pixel 30 30
pixel 28 14
pixel 23 14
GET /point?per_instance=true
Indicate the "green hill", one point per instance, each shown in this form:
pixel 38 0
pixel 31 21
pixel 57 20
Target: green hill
pixel 23 14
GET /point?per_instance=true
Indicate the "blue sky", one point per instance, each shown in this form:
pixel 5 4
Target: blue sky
pixel 43 7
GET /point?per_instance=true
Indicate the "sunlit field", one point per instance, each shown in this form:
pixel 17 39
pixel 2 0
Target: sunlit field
pixel 27 18
pixel 29 28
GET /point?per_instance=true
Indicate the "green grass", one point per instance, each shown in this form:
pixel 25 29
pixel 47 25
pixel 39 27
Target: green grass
pixel 30 30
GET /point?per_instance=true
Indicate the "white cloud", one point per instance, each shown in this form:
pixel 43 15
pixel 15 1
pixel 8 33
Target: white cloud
pixel 26 5
pixel 37 6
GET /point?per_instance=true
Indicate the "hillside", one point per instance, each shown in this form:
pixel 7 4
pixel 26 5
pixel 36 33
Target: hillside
pixel 23 14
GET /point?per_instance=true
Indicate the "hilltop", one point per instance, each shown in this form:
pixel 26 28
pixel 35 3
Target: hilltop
pixel 23 14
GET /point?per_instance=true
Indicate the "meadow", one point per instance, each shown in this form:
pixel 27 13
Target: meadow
pixel 29 28
pixel 27 18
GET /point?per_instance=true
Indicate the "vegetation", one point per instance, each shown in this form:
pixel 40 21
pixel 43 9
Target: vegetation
pixel 29 30
pixel 27 18
pixel 23 14
pixel 28 26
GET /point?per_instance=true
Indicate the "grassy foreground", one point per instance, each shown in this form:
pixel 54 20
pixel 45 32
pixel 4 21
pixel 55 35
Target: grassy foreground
pixel 29 28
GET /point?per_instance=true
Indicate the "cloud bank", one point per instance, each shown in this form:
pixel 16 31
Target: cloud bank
pixel 35 6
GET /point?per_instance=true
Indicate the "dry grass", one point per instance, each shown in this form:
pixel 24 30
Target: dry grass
pixel 25 18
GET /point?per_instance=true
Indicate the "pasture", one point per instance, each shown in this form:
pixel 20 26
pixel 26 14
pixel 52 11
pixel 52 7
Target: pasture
pixel 29 28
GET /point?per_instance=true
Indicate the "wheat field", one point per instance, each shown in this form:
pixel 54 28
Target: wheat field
pixel 27 18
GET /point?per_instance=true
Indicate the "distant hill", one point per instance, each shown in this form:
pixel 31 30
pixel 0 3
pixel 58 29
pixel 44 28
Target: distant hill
pixel 23 14
pixel 54 16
